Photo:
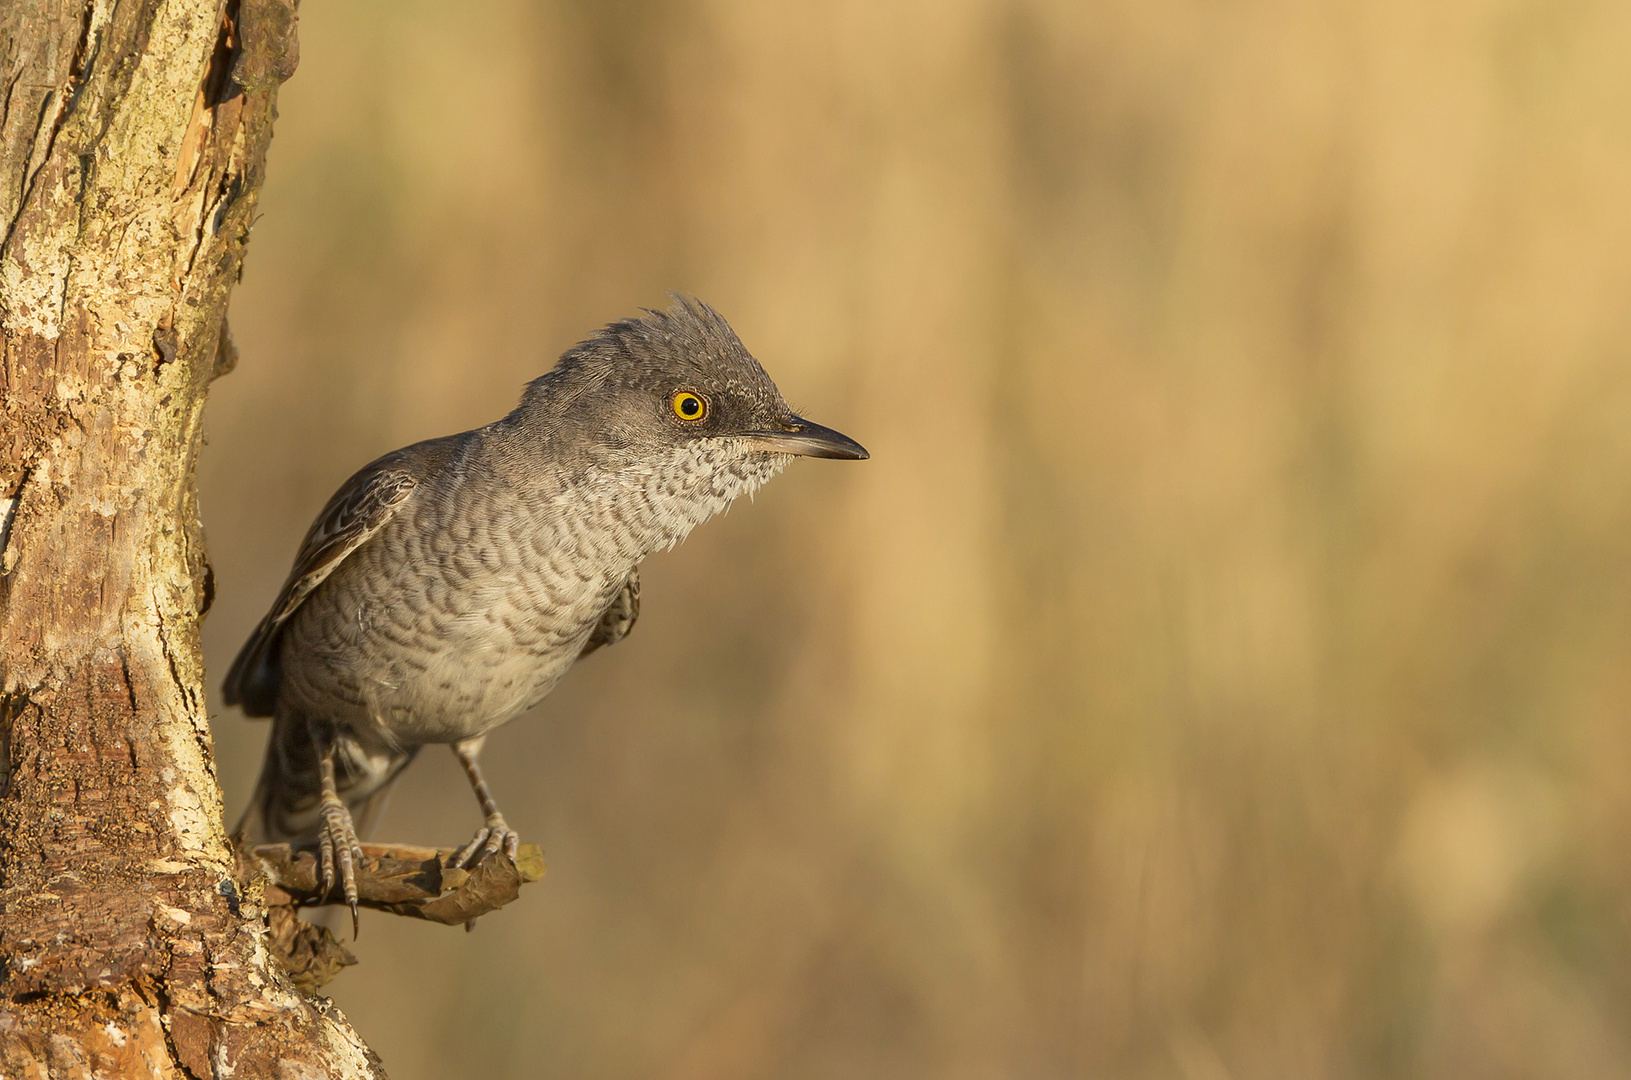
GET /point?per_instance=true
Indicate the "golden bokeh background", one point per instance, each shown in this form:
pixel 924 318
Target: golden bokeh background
pixel 1221 669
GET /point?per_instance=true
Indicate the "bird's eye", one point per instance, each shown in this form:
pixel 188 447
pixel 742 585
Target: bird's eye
pixel 688 406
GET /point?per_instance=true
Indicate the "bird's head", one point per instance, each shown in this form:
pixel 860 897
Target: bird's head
pixel 675 382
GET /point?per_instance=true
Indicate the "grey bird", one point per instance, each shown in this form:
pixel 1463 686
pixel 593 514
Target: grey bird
pixel 448 586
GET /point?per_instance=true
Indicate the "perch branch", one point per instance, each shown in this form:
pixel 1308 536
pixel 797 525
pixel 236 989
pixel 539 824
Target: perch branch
pixel 402 879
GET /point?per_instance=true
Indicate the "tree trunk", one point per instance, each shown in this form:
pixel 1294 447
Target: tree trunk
pixel 133 136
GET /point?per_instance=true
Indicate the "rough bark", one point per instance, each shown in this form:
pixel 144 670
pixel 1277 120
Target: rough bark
pixel 133 137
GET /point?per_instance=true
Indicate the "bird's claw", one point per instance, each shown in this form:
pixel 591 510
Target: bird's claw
pixel 491 837
pixel 339 849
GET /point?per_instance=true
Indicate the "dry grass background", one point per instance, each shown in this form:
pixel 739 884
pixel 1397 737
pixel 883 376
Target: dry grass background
pixel 1221 668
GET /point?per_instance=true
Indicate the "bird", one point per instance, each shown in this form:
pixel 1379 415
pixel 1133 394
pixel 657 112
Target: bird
pixel 447 587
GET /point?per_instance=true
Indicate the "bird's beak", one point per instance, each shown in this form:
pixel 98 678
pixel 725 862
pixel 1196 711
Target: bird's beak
pixel 799 436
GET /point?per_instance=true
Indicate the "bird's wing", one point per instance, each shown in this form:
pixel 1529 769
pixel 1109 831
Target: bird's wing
pixel 357 511
pixel 618 618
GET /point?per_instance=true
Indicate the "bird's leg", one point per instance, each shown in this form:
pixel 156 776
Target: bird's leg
pixel 496 833
pixel 337 837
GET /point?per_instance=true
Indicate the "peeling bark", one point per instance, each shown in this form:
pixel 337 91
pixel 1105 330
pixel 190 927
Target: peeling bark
pixel 133 138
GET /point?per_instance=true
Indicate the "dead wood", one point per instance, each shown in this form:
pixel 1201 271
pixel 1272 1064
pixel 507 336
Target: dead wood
pixel 400 879
pixel 404 879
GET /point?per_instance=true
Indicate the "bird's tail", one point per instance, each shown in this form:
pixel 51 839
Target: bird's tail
pixel 286 805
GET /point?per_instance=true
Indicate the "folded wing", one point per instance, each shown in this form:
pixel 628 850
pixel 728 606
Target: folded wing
pixel 357 511
pixel 618 618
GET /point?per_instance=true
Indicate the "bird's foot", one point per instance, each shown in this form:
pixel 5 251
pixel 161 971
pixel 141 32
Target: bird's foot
pixel 489 838
pixel 339 848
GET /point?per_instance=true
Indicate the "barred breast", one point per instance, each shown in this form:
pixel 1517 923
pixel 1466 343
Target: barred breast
pixel 450 622
pixel 469 606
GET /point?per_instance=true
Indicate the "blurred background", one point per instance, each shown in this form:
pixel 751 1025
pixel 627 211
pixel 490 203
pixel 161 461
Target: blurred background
pixel 1221 667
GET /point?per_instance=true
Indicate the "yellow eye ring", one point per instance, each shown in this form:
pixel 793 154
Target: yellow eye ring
pixel 688 406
